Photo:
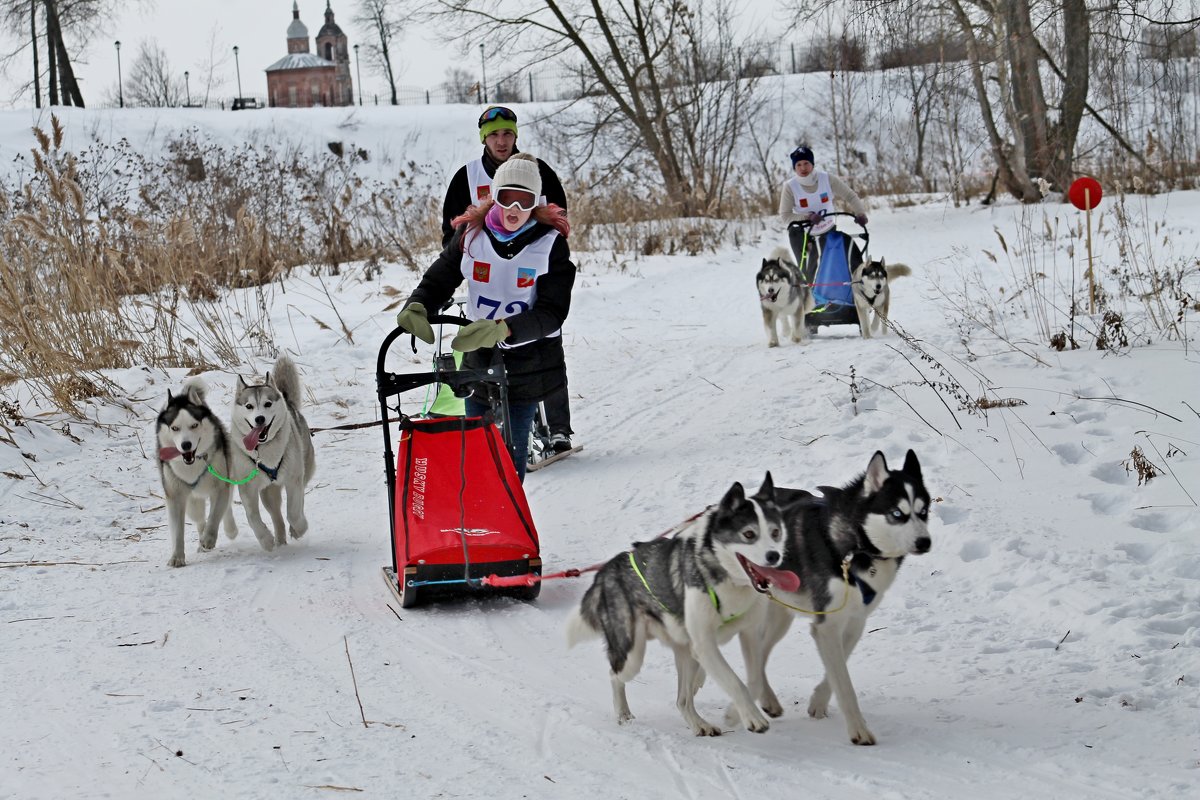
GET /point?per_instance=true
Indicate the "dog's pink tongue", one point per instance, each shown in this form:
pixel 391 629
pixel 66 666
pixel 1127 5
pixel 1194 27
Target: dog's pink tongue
pixel 251 438
pixel 781 578
pixel 167 453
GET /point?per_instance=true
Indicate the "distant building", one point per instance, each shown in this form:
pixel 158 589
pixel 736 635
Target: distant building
pixel 304 80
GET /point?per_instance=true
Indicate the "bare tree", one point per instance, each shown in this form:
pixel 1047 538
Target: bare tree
pixel 150 82
pixel 459 85
pixel 67 29
pixel 385 21
pixel 665 73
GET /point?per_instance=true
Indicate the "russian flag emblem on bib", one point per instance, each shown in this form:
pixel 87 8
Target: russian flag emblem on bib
pixel 482 272
pixel 483 192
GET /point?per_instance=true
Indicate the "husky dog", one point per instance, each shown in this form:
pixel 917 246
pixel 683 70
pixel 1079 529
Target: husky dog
pixel 275 446
pixel 872 294
pixel 784 297
pixel 846 546
pixel 692 592
pixel 190 440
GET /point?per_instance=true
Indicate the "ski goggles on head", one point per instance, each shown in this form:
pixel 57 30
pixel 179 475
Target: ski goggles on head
pixel 519 198
pixel 497 112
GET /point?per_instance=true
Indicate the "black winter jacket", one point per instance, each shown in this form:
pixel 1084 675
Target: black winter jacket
pixel 537 369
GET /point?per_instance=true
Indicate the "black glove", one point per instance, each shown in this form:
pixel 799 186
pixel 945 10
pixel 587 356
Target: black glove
pixel 816 217
pixel 861 219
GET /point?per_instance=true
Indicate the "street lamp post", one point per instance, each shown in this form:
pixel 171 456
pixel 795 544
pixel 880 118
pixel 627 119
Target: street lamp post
pixel 358 66
pixel 238 66
pixel 188 88
pixel 483 72
pixel 120 89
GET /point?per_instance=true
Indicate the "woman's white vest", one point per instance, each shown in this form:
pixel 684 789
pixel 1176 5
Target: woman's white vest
pixel 806 202
pixel 481 183
pixel 497 287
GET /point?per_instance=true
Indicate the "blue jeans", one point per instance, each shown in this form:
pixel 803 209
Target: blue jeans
pixel 521 419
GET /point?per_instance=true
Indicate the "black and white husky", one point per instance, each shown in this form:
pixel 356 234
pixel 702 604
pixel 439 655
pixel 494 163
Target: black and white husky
pixel 693 592
pixel 873 294
pixel 275 446
pixel 190 440
pixel 846 545
pixel 784 296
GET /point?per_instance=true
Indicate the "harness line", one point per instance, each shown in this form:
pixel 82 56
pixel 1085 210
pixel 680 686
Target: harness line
pixel 253 474
pixel 845 595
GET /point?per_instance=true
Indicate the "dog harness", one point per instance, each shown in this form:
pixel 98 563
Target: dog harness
pixel 712 595
pixel 196 482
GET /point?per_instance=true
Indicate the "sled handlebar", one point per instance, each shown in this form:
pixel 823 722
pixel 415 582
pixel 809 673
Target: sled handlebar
pixel 805 224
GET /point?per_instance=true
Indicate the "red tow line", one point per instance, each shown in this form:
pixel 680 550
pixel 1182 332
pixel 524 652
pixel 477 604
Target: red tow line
pixel 529 579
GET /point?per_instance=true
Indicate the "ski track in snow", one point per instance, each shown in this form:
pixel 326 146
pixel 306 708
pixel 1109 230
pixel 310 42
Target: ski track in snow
pixel 237 680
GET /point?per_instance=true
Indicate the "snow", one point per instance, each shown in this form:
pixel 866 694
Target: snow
pixel 1046 647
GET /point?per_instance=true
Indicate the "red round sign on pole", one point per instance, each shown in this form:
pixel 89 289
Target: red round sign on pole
pixel 1085 193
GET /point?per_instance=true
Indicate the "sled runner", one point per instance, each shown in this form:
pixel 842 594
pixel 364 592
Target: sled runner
pixel 456 507
pixel 830 273
pixel 541 451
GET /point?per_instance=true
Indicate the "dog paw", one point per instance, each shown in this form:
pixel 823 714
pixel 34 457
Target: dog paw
pixel 772 706
pixel 818 710
pixel 702 727
pixel 625 718
pixel 208 541
pixel 299 529
pixel 177 560
pixel 862 736
pixel 773 343
pixel 265 540
pixel 757 723
pixel 280 538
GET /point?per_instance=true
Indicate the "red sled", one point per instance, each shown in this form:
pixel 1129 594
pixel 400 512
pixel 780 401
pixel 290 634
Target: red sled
pixel 458 513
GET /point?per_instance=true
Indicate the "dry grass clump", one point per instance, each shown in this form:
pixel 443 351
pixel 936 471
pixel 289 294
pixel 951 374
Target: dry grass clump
pixel 110 259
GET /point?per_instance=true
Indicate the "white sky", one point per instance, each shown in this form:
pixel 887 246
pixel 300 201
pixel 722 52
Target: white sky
pixel 190 31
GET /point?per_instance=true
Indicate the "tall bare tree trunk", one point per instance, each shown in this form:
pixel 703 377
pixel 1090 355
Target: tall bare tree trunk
pixel 33 39
pixel 1076 68
pixel 51 61
pixel 54 42
pixel 1028 100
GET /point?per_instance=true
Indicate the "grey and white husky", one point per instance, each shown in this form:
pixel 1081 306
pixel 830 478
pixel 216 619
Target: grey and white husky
pixel 274 444
pixel 784 296
pixel 190 440
pixel 847 546
pixel 693 592
pixel 871 284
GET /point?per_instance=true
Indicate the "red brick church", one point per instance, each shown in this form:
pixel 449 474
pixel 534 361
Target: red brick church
pixel 302 79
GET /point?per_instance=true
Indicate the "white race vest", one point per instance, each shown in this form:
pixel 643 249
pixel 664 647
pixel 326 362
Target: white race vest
pixel 806 202
pixel 497 287
pixel 480 183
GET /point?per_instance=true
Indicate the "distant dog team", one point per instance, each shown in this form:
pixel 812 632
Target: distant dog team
pixel 786 298
pixel 273 455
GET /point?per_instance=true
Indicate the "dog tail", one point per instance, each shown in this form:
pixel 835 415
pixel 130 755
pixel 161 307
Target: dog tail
pixel 286 379
pixel 578 629
pixel 898 271
pixel 196 390
pixel 783 254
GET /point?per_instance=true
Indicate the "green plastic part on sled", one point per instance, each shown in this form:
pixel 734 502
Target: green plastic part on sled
pixel 446 404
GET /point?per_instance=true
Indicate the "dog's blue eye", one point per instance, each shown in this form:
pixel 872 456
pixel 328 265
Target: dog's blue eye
pixel 897 514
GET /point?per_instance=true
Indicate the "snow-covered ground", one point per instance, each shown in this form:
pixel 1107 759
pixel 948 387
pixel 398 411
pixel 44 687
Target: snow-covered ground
pixel 1048 646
